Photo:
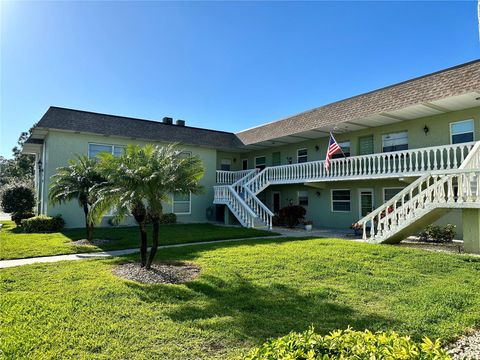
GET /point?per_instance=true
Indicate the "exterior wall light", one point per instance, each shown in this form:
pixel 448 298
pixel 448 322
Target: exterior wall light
pixel 426 130
pixel 318 193
pixel 317 147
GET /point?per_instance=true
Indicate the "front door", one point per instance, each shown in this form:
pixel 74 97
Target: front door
pixel 244 164
pixel 365 202
pixel 276 202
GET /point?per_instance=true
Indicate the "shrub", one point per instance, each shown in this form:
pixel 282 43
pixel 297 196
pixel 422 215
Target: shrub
pixel 43 224
pixel 18 217
pixel 434 233
pixel 19 201
pixel 348 344
pixel 169 218
pixel 291 215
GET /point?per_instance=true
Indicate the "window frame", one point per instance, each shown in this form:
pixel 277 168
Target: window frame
pixel 349 201
pixel 391 188
pixel 392 133
pixel 264 164
pixel 458 122
pixel 226 162
pixel 340 155
pixel 298 197
pixel 112 146
pixel 183 202
pixel 302 156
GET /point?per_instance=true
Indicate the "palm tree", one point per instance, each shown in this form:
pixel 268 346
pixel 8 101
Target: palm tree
pixel 75 182
pixel 140 181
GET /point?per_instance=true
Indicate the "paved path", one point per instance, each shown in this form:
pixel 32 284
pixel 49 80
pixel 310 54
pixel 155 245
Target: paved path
pixel 284 233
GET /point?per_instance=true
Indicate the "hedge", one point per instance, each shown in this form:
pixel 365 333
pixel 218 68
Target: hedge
pixel 43 224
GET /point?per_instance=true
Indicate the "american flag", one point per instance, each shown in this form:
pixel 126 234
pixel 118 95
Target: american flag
pixel 332 149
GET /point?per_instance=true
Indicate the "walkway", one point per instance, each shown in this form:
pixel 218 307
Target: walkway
pixel 284 233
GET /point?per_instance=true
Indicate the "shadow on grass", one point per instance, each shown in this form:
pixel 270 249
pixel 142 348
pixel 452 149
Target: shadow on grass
pixel 256 312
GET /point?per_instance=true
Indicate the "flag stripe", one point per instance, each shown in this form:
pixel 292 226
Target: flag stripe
pixel 333 148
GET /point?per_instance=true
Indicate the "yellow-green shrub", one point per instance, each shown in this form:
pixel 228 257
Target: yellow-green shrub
pixel 348 345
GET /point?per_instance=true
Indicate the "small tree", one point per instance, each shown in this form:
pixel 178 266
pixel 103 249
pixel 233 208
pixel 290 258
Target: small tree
pixel 19 201
pixel 74 182
pixel 139 181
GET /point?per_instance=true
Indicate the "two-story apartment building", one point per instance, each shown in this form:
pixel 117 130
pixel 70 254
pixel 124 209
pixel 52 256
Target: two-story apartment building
pixel 411 158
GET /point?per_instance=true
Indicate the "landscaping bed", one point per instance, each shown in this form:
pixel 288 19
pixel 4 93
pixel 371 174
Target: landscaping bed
pixel 14 244
pixel 245 294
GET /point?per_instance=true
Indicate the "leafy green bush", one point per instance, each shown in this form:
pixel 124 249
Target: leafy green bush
pixel 169 218
pixel 346 345
pixel 18 217
pixel 19 201
pixel 434 233
pixel 291 215
pixel 43 224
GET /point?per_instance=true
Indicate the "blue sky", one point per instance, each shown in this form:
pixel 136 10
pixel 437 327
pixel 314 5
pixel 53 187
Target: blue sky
pixel 227 66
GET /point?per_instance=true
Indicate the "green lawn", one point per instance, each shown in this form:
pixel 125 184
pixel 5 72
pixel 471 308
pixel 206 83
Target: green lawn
pixel 247 292
pixel 14 244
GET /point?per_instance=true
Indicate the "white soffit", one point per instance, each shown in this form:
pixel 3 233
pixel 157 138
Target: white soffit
pixel 460 102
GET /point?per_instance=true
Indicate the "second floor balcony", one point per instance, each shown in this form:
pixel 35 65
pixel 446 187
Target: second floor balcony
pixel 406 163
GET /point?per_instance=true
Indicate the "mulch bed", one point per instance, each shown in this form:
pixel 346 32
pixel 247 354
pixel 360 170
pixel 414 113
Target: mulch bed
pixel 93 242
pixel 453 247
pixel 467 347
pixel 166 273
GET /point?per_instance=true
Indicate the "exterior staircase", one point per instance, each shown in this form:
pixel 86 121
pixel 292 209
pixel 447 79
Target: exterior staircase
pixel 424 201
pixel 241 188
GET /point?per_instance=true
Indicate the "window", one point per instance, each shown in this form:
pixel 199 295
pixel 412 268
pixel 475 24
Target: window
pixel 303 198
pixel 95 149
pixel 182 204
pixel 395 141
pixel 389 193
pixel 345 146
pixel 462 131
pixel 302 156
pixel 225 164
pixel 261 162
pixel 341 200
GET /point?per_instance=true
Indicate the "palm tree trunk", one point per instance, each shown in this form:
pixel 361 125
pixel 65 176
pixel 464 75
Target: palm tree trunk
pixel 140 214
pixel 143 244
pixel 155 231
pixel 88 224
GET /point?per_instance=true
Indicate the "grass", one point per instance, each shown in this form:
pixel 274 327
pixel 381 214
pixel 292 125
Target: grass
pixel 15 245
pixel 247 292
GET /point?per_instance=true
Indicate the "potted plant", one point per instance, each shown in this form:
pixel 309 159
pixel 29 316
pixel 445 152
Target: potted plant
pixel 357 228
pixel 308 225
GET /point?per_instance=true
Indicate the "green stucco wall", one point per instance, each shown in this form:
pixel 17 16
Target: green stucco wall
pixel 63 146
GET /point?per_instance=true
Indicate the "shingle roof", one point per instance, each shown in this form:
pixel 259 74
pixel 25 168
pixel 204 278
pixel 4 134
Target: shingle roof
pixel 90 122
pixel 454 81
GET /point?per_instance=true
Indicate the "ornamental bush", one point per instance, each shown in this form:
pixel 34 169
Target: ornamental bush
pixel 169 218
pixel 434 233
pixel 291 215
pixel 43 224
pixel 18 200
pixel 348 345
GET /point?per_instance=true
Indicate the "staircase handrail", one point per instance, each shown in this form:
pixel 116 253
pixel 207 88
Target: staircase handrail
pixel 237 197
pixel 473 158
pixel 407 189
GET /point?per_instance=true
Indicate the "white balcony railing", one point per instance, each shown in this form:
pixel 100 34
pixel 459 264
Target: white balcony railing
pixel 229 177
pixel 391 164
